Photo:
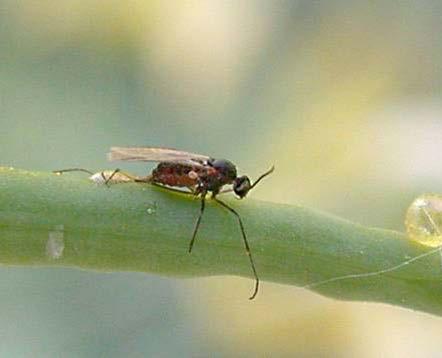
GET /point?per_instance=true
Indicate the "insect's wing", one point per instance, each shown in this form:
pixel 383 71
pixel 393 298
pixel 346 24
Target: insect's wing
pixel 153 154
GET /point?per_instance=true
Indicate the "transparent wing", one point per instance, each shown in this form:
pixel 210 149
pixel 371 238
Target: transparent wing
pixel 155 154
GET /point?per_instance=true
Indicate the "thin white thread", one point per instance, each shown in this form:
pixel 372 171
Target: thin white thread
pixel 375 273
pixel 390 269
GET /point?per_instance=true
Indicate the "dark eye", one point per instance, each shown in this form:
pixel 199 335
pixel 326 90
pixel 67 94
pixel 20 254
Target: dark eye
pixel 241 186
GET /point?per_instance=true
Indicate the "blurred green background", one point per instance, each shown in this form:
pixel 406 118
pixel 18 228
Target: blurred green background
pixel 344 97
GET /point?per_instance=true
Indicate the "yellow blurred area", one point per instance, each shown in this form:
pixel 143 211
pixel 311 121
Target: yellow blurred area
pixel 284 321
pixel 343 97
pixel 204 46
pixel 71 21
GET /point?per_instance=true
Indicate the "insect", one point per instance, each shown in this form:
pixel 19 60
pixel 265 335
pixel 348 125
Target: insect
pixel 194 174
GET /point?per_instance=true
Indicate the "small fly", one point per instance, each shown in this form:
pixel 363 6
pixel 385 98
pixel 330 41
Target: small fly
pixel 201 175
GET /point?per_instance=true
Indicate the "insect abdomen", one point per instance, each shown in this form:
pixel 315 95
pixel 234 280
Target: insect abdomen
pixel 173 174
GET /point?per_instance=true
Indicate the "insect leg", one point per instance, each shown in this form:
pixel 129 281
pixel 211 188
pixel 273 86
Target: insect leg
pixel 143 180
pixel 133 178
pixel 268 172
pixel 246 244
pixel 198 221
pixel 59 172
pixel 102 177
pixel 106 181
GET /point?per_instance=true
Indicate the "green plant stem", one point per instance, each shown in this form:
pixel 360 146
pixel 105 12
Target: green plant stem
pixel 139 227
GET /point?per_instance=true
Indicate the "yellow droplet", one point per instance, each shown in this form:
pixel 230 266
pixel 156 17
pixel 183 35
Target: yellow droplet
pixel 423 220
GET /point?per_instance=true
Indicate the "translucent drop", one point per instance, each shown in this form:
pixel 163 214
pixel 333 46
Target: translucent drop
pixel 423 220
pixel 55 243
pixel 152 209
